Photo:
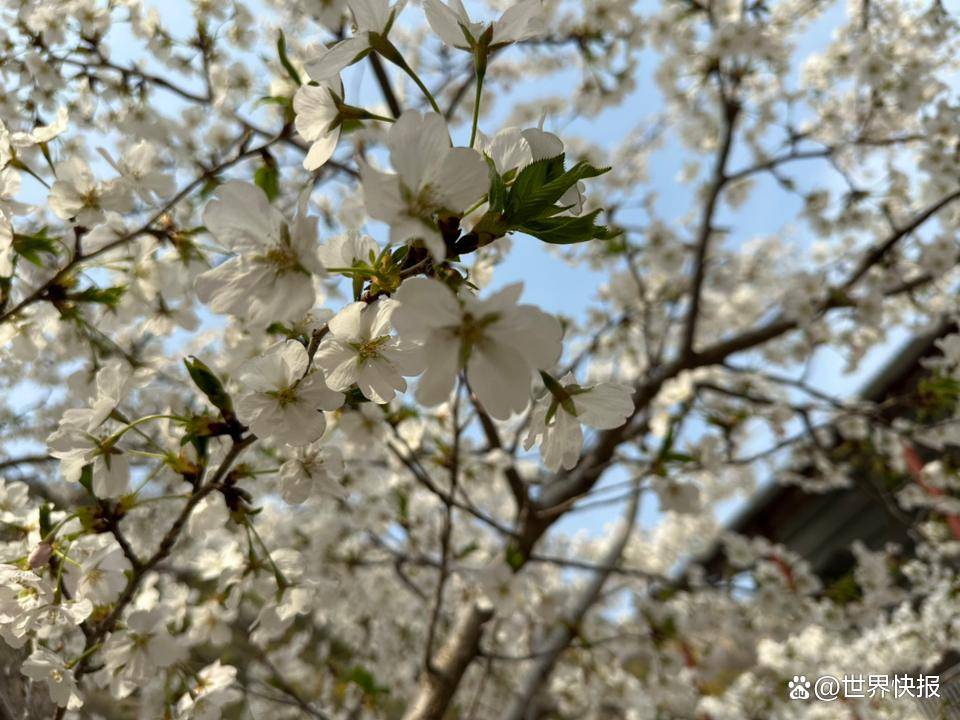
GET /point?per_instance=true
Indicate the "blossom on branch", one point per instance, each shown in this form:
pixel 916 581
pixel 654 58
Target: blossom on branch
pixel 282 401
pixel 270 276
pixel 361 349
pixel 558 415
pixel 313 469
pixel 452 23
pixel 373 20
pixel 46 666
pixel 433 179
pixel 496 341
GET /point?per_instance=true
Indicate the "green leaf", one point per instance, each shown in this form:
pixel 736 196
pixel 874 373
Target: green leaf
pixel 29 247
pixel 353 397
pixel 267 178
pixel 280 100
pixel 210 385
pixel 86 478
pixel 467 550
pixel 365 680
pixel 514 557
pixel 109 296
pixel 566 230
pixel 540 200
pixel 403 507
pixel 209 187
pixel 559 393
pixel 498 190
pixel 46 525
pixel 278 328
pixel 285 61
pixel 529 180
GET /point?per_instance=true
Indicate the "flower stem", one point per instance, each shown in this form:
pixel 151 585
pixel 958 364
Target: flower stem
pixel 131 425
pixel 86 653
pixel 403 65
pixel 476 107
pixel 423 88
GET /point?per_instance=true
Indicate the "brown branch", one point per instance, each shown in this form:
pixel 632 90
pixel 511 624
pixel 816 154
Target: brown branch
pixel 450 663
pixel 876 254
pixel 25 460
pixel 445 534
pixel 518 487
pixel 163 550
pixel 731 111
pixel 568 627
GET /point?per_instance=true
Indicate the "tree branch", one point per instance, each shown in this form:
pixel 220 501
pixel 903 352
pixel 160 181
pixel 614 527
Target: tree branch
pixel 730 112
pixel 451 662
pixel 566 629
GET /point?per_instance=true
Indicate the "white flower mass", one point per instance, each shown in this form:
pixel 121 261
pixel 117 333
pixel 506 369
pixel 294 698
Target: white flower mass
pixel 447 360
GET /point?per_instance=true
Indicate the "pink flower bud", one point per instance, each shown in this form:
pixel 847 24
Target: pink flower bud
pixel 40 555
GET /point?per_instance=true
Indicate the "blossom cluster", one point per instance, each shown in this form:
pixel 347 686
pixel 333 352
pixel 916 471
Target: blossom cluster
pixel 279 439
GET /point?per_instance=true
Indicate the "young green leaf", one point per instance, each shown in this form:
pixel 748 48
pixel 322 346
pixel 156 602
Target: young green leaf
pixel 536 201
pixel 29 247
pixel 210 385
pixel 566 230
pixel 285 61
pixel 267 178
pixel 109 296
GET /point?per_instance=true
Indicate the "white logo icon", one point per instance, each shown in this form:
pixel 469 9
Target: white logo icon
pixel 799 688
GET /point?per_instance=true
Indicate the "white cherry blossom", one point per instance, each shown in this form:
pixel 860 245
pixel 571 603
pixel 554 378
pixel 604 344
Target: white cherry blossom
pixel 135 653
pixel 271 274
pixel 314 469
pixel 558 431
pixel 499 343
pixel 343 251
pixel 451 22
pixel 47 667
pixel 432 177
pixel 78 195
pixel 283 402
pixel 371 18
pixel 361 349
pixel 76 448
pixel 317 121
pixel 214 689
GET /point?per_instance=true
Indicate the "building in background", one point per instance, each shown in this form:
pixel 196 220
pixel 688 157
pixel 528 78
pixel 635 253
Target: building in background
pixel 822 527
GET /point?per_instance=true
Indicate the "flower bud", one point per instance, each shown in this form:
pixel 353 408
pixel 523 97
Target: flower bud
pixel 40 555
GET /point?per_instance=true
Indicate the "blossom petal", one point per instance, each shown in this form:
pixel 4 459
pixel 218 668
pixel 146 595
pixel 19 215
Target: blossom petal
pixel 500 377
pixel 328 64
pixel 240 217
pixel 417 142
pixel 436 384
pixel 461 178
pixel 445 23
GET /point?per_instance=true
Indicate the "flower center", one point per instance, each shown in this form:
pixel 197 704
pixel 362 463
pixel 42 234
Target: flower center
pixel 140 642
pixel 371 348
pixel 472 332
pixel 286 396
pixel 282 260
pixel 90 199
